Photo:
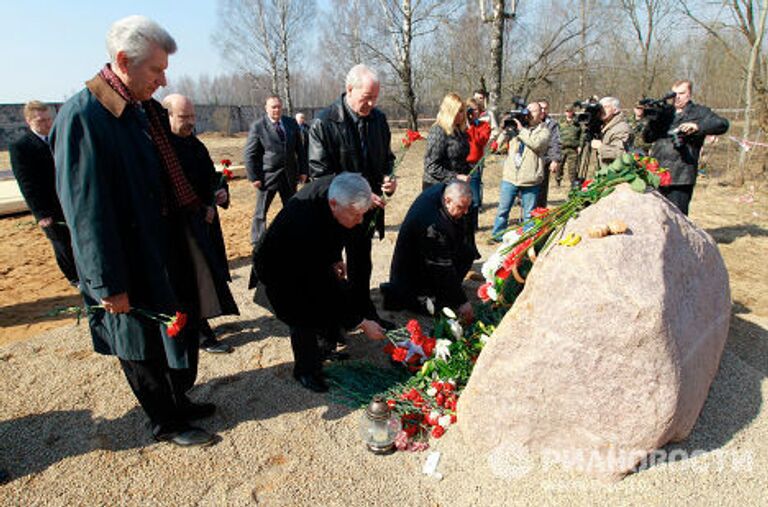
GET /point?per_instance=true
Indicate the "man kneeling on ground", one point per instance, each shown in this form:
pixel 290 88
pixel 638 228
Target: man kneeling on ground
pixel 299 262
pixel 433 252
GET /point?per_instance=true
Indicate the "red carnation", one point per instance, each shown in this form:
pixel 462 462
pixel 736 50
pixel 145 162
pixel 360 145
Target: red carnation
pixel 665 178
pixel 389 348
pixel 428 346
pixel 539 212
pixel 177 324
pixel 586 184
pixel 399 354
pixel 228 174
pixel 226 162
pixel 438 431
pixel 482 292
pixel 413 326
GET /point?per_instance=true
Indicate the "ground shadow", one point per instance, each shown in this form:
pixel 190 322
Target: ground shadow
pixel 37 311
pixel 730 233
pixel 32 443
pixel 240 332
pixel 734 399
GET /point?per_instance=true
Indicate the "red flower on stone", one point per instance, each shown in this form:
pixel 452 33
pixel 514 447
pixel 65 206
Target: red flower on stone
pixel 227 173
pixel 438 431
pixel 226 162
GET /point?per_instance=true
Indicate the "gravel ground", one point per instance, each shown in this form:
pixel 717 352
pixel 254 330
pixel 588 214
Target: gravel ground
pixel 71 434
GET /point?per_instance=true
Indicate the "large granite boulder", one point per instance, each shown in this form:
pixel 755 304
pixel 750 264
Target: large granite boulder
pixel 610 350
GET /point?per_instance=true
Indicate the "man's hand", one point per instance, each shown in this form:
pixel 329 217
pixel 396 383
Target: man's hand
pixel 390 185
pixel 256 184
pixel 688 128
pixel 210 214
pixel 45 222
pixel 462 177
pixel 302 178
pixel 117 304
pixel 378 202
pixel 596 144
pixel 221 196
pixel 372 329
pixel 554 166
pixel 466 313
pixel 340 270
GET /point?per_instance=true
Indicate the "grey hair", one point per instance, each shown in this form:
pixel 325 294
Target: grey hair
pixel 350 190
pixel 610 101
pixel 135 36
pixel 457 189
pixel 357 75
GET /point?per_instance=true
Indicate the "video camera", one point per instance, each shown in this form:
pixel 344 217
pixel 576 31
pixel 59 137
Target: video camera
pixel 520 114
pixel 589 118
pixel 657 108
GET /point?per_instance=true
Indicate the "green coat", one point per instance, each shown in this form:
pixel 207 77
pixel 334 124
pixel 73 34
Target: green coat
pixel 570 134
pixel 110 183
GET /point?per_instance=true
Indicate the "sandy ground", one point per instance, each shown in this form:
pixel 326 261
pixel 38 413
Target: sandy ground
pixel 71 434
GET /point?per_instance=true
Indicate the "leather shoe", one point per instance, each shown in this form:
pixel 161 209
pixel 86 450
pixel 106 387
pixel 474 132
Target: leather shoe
pixel 192 411
pixel 188 436
pixel 314 383
pixel 335 355
pixel 215 347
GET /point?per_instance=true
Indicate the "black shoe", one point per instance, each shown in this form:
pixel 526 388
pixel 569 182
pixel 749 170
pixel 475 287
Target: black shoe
pixel 4 476
pixel 314 383
pixel 192 411
pixel 187 436
pixel 386 324
pixel 335 355
pixel 212 346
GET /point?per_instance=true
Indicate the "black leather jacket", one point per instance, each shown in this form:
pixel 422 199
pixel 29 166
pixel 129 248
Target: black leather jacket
pixel 683 160
pixel 334 145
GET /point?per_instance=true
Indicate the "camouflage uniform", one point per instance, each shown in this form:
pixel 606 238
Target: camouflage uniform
pixel 570 140
pixel 637 126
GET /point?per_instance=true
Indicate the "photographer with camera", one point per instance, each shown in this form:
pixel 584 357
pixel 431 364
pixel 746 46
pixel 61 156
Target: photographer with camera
pixel 616 134
pixel 524 167
pixel 677 137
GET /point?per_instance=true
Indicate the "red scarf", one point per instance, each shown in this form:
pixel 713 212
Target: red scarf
pixel 182 195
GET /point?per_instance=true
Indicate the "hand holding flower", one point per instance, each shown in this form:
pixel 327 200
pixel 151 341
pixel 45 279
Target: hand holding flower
pixel 117 304
pixel 221 196
pixel 372 329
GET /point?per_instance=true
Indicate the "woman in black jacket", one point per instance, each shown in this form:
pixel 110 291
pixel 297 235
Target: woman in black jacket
pixel 447 144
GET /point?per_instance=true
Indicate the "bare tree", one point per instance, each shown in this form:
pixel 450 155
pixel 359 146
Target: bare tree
pixel 753 56
pixel 497 18
pixel 650 21
pixel 402 21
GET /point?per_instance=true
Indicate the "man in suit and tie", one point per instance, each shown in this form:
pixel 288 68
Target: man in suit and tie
pixel 275 161
pixel 33 166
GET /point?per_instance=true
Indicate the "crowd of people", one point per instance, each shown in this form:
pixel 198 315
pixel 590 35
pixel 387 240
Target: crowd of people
pixel 129 198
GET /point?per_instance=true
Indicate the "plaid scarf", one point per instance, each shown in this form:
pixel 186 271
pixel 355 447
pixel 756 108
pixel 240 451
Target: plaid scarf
pixel 182 195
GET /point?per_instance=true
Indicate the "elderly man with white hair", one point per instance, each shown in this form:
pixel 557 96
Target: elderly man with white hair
pixel 299 262
pixel 123 191
pixel 617 136
pixel 352 135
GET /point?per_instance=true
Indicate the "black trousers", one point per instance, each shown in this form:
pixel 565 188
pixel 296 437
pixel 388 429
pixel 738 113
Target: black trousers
pixel 359 268
pixel 541 199
pixel 161 390
pixel 679 195
pixel 264 200
pixel 58 235
pixel 306 352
